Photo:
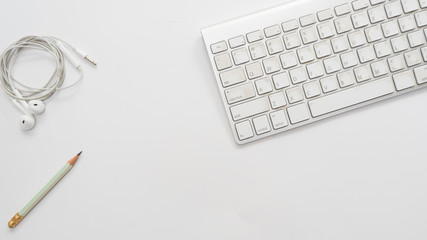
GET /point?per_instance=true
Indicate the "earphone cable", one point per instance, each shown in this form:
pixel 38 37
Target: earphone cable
pixel 53 46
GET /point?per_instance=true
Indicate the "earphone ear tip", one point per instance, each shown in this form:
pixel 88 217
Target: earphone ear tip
pixel 27 122
pixel 36 107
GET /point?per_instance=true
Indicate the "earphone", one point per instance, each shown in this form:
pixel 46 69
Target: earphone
pixel 33 107
pixel 29 100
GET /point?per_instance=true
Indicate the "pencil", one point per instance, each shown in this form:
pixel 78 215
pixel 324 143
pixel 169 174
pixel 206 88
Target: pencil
pixel 39 196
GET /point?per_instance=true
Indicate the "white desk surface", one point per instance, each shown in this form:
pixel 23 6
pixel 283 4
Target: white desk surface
pixel 159 160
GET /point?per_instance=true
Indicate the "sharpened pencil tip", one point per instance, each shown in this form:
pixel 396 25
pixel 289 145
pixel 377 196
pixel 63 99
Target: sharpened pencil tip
pixel 73 160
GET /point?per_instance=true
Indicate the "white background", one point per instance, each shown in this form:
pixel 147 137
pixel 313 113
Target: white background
pixel 159 160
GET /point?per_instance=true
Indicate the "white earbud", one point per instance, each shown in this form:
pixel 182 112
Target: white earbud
pixel 36 107
pixel 27 121
pixel 32 107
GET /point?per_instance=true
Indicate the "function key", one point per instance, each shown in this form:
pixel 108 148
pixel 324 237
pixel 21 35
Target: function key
pixel 307 20
pixel 272 31
pixel 254 36
pixel 289 25
pixel 342 9
pixel 325 14
pixel 236 41
pixel 360 4
pixel 219 47
pixel 244 130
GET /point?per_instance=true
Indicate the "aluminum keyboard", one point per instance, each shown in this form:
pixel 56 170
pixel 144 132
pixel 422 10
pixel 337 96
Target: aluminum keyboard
pixel 307 60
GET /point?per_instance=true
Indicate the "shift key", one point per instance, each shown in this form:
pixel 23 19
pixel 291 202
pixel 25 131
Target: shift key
pixel 249 108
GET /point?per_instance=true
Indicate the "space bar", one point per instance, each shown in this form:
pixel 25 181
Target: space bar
pixel 352 96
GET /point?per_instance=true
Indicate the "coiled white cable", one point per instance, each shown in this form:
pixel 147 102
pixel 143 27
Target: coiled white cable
pixel 56 48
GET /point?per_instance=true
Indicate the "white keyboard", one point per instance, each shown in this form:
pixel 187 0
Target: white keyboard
pixel 307 60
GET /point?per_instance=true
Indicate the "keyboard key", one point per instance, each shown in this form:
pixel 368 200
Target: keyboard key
pixel 342 9
pixel 339 44
pixel 423 3
pixel 298 113
pixel 373 33
pixel 263 86
pixel 375 2
pixel 349 59
pixel 308 35
pixel 404 80
pixel 281 80
pixel 399 44
pixel 406 23
pixel 332 64
pixel 421 18
pixel 237 41
pixel 244 130
pixel 363 73
pixel 329 84
pixel 249 108
pixel 254 70
pixel 351 96
pixel 272 31
pixel 278 119
pixel 305 54
pixel 290 25
pixel 288 60
pixel 294 94
pixel 424 53
pixel 377 14
pixel 409 5
pixel 366 54
pixel 396 63
pixel 322 49
pixel 261 124
pixel 223 61
pixel 271 65
pixel 360 4
pixel 307 20
pixel 274 45
pixel 315 70
pixel 346 78
pixel 416 38
pixel 277 100
pixel 421 74
pixel 311 89
pixel 360 19
pixel 393 9
pixel 379 68
pixel 298 75
pixel 343 24
pixel 257 50
pixel 291 40
pixel 413 58
pixel 254 36
pixel 356 38
pixel 325 14
pixel 326 30
pixel 219 47
pixel 390 28
pixel 232 77
pixel 240 56
pixel 239 93
pixel 383 49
